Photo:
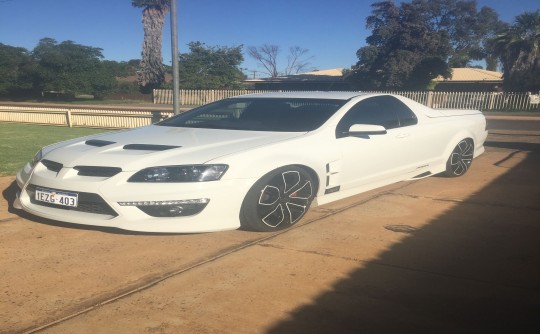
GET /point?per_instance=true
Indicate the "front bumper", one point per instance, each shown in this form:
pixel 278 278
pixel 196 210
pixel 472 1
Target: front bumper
pixel 112 202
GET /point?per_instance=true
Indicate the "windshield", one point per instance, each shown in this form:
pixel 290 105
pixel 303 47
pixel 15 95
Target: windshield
pixel 259 114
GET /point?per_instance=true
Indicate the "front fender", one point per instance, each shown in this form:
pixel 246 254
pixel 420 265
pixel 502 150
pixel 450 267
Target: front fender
pixel 310 154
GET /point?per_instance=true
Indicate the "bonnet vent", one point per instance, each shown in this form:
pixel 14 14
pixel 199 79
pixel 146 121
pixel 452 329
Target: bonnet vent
pixel 149 147
pixel 52 165
pixel 98 143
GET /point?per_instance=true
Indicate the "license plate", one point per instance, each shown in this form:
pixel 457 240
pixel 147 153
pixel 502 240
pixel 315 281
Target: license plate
pixel 57 197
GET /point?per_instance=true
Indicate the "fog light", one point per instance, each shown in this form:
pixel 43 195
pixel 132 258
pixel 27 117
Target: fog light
pixel 173 208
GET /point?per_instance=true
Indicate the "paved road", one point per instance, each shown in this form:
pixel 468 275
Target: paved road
pixel 437 255
pixel 527 124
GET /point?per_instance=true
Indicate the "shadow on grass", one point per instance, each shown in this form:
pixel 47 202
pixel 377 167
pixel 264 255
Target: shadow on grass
pixel 473 269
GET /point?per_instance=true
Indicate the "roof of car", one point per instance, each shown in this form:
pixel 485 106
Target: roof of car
pixel 306 95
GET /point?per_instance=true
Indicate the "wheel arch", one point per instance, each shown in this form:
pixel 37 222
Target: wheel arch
pixel 311 172
pixel 259 167
pixel 455 140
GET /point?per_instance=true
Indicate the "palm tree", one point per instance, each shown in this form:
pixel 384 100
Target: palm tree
pixel 151 73
pixel 518 48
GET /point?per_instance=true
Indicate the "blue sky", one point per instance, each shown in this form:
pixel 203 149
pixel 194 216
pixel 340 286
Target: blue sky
pixel 332 30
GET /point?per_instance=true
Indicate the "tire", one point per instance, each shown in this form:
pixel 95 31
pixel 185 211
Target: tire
pixel 277 200
pixel 461 158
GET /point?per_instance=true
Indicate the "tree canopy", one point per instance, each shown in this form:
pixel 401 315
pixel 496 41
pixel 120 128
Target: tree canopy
pixel 210 67
pixel 65 67
pixel 403 51
pixel 15 69
pixel 70 67
pixel 467 28
pixel 518 48
pixel 414 42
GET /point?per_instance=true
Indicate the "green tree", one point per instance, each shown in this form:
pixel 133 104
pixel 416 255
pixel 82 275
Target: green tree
pixel 151 73
pixel 467 28
pixel 403 51
pixel 118 69
pixel 70 68
pixel 16 68
pixel 206 67
pixel 518 48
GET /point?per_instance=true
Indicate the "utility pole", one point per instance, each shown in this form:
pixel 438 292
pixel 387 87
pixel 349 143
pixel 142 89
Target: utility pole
pixel 174 48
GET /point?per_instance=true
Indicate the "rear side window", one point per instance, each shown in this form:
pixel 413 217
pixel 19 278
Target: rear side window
pixel 405 115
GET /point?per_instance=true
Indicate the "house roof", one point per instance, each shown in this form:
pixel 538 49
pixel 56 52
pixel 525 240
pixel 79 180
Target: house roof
pixel 459 75
pixel 334 72
pixel 467 74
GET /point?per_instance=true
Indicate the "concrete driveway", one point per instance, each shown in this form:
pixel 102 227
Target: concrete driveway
pixel 438 255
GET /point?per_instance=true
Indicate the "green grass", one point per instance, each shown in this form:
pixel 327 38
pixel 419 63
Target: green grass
pixel 19 142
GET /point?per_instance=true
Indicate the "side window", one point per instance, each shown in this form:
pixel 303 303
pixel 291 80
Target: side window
pixel 405 115
pixel 373 110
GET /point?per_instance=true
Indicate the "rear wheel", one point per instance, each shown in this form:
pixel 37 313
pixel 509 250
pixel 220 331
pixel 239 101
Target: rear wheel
pixel 278 200
pixel 461 158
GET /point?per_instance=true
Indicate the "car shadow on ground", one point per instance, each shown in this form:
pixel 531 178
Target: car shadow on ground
pixel 10 194
pixel 473 269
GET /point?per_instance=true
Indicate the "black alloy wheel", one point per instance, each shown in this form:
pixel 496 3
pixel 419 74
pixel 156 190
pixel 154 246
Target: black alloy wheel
pixel 461 158
pixel 278 200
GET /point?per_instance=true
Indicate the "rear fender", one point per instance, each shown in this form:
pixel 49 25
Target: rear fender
pixel 455 140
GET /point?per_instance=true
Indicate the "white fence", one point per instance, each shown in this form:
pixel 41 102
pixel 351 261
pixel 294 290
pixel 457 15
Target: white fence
pixel 129 117
pixel 198 97
pixel 111 118
pixel 485 101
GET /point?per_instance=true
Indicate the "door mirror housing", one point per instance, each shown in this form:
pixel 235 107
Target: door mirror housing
pixel 359 130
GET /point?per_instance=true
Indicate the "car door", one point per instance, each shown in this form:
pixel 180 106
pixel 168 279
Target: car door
pixel 374 158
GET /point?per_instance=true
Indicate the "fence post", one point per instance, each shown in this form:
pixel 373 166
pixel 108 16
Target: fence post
pixel 68 118
pixel 156 116
pixel 492 100
pixel 429 101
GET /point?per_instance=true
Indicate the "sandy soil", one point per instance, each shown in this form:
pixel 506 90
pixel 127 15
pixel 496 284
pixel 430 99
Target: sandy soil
pixel 437 255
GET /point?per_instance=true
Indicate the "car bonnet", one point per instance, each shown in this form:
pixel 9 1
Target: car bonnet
pixel 159 146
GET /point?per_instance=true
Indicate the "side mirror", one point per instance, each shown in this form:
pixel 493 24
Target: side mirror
pixel 358 130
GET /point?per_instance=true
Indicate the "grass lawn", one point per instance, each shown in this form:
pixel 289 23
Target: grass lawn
pixel 19 142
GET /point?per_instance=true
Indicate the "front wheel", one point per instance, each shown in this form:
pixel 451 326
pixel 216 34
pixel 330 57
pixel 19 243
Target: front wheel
pixel 461 158
pixel 277 200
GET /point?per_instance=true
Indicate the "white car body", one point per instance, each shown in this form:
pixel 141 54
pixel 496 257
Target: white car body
pixel 340 167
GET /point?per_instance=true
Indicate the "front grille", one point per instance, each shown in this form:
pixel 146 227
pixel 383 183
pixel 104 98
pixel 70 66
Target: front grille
pixel 88 202
pixel 97 171
pixel 52 165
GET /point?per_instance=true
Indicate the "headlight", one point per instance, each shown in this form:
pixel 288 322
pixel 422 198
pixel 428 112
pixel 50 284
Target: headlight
pixel 194 173
pixel 37 158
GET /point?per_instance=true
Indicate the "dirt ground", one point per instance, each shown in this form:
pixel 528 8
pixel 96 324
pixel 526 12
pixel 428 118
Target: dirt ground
pixel 438 255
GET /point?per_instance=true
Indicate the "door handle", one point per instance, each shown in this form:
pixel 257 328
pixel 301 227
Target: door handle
pixel 402 135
